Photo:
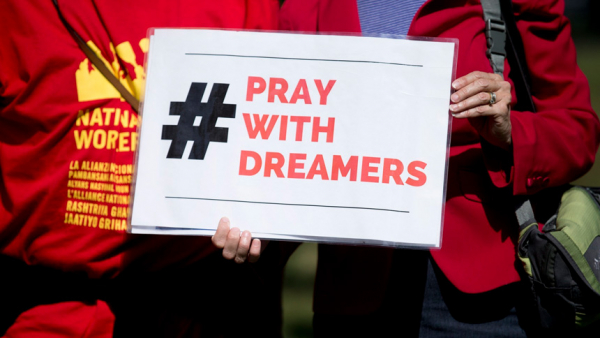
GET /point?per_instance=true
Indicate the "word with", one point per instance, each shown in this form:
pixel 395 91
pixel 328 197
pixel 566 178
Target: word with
pixel 260 126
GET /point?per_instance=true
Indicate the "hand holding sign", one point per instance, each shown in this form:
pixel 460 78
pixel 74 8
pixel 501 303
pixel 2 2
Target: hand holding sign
pixel 237 246
pixel 484 98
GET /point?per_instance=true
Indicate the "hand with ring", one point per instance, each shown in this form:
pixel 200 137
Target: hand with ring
pixel 484 99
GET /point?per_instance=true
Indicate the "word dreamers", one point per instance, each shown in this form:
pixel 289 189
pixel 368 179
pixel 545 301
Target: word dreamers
pixel 278 87
pixel 371 169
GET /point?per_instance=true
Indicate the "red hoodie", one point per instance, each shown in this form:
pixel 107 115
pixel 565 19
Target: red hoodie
pixel 67 139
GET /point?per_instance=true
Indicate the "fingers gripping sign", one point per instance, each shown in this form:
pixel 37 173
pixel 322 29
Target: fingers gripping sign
pixel 237 245
pixel 484 99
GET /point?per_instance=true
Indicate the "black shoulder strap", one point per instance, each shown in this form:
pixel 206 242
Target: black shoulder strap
pixel 98 63
pixel 504 40
pixel 515 53
pixel 495 33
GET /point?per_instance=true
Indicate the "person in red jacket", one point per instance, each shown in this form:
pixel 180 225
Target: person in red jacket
pixel 67 144
pixel 497 152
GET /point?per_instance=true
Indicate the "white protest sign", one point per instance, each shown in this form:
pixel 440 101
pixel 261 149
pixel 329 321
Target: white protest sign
pixel 292 136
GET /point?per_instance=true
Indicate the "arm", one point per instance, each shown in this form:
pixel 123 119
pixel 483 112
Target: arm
pixel 558 144
pixel 555 145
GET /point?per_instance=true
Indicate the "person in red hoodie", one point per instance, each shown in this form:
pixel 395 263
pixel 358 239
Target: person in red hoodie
pixel 67 144
pixel 497 151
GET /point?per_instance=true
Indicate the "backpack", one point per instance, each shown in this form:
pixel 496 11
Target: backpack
pixel 561 262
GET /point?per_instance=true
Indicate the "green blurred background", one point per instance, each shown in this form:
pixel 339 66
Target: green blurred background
pixel 300 270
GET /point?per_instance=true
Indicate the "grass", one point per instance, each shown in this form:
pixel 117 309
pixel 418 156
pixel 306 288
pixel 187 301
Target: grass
pixel 298 291
pixel 588 55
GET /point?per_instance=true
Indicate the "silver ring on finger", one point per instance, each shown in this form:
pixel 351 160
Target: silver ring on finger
pixel 492 98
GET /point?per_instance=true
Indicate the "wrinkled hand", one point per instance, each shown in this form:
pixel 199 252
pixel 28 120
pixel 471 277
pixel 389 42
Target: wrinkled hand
pixel 237 245
pixel 472 101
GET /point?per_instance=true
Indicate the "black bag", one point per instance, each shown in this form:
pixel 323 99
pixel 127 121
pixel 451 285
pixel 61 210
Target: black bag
pixel 561 263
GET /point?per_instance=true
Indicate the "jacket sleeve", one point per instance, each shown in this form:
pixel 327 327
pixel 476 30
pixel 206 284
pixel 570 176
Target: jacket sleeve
pixel 557 144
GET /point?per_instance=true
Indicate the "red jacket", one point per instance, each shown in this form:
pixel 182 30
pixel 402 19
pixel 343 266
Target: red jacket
pixel 67 140
pixel 550 148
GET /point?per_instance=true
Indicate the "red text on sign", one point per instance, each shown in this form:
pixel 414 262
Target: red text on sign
pixel 371 170
pixel 263 125
pixel 278 88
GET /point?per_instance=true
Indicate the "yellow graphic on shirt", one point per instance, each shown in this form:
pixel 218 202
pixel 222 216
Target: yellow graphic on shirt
pixel 92 85
pixel 98 193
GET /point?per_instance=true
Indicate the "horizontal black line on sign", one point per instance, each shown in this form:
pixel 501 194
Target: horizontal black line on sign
pixel 288 204
pixel 304 59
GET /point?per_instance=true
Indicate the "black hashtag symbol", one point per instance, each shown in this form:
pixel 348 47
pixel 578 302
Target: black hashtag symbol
pixel 207 131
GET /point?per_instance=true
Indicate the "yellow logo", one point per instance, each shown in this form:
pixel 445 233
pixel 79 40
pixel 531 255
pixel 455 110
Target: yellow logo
pixel 92 85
